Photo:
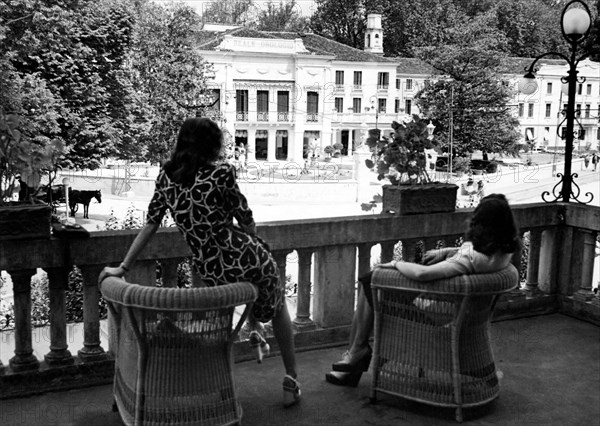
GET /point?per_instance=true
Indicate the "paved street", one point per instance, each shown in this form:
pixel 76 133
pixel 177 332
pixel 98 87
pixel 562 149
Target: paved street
pixel 521 184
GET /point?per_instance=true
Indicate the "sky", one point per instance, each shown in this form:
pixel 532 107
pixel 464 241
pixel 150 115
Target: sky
pixel 305 7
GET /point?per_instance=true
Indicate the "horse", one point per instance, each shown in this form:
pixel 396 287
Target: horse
pixel 82 197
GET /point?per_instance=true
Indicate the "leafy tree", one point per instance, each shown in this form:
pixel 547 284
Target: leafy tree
pixel 470 86
pixel 65 52
pixel 341 20
pixel 233 12
pixel 166 78
pixel 281 17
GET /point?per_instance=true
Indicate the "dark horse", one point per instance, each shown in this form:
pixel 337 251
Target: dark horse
pixel 82 197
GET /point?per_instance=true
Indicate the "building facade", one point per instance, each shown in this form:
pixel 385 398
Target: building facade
pixel 286 96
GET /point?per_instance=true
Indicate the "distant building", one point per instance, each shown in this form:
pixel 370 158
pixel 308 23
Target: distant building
pixel 284 94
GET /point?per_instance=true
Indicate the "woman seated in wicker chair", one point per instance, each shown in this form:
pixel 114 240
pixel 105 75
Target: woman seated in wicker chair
pixel 204 198
pixel 490 240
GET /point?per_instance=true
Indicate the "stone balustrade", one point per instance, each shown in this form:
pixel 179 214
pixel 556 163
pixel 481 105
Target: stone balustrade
pixel 329 254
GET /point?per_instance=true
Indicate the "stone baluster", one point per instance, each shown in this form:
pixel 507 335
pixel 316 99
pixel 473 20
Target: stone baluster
pixel 334 285
pixel 143 272
pixel 585 292
pixel 57 283
pixel 364 259
pixel 533 262
pixel 281 260
pixel 409 249
pixel 303 319
pixel 516 260
pixel 92 350
pixel 24 358
pixel 387 251
pixel 547 273
pixel 169 271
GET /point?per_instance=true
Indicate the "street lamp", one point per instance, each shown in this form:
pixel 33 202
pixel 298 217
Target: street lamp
pixel 430 129
pixel 575 25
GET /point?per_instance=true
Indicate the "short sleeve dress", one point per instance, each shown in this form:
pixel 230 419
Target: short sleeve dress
pixel 222 252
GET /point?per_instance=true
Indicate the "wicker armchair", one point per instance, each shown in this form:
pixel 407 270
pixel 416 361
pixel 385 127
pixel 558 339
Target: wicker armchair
pixel 432 341
pixel 174 356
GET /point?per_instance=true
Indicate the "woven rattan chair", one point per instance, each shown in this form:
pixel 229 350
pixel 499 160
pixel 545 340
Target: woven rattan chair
pixel 174 355
pixel 432 341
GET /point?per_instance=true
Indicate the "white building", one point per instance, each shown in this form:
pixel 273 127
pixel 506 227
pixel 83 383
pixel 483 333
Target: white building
pixel 285 94
pixel 542 115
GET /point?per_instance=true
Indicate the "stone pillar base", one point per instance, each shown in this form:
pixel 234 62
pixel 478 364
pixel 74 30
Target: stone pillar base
pixel 92 354
pixel 23 363
pixel 60 357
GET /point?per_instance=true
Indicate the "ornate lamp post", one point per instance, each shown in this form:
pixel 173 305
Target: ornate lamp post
pixel 430 129
pixel 575 25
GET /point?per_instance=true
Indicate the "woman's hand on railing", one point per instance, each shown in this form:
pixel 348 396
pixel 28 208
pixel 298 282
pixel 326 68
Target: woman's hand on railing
pixel 109 271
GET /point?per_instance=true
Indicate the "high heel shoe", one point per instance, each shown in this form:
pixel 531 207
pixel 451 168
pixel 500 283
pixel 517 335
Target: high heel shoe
pixel 344 379
pixel 291 391
pixel 354 362
pixel 259 346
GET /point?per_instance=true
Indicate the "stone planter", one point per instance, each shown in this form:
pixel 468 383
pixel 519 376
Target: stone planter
pixel 418 199
pixel 25 221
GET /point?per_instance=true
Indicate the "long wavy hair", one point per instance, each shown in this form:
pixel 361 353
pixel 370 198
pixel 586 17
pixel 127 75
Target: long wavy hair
pixel 492 228
pixel 199 143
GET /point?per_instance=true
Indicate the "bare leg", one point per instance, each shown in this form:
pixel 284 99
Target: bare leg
pixel 362 324
pixel 282 329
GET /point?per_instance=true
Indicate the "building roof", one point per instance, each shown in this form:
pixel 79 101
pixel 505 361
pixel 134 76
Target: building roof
pixel 518 66
pixel 314 44
pixel 413 66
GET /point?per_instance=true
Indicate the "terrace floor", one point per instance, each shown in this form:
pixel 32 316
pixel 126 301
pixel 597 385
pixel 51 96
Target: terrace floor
pixel 551 376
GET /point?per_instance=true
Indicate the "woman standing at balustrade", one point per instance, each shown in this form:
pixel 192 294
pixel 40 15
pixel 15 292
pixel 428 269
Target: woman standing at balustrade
pixel 204 198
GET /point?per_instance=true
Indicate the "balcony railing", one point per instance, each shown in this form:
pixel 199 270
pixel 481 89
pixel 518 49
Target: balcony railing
pixel 383 87
pixel 241 116
pixel 262 116
pixel 283 116
pixel 557 276
pixel 312 117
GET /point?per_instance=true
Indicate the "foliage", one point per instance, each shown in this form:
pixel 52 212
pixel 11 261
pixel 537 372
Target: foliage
pixel 470 88
pixel 341 20
pixel 282 17
pixel 167 77
pixel 232 12
pixel 329 149
pixel 24 158
pixel 67 53
pixel 401 158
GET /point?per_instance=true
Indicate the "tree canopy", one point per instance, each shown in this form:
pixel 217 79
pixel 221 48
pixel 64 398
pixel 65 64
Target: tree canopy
pixel 470 88
pixel 106 78
pixel 282 17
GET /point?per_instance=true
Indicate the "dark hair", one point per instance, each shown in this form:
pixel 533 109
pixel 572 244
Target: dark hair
pixel 492 227
pixel 199 143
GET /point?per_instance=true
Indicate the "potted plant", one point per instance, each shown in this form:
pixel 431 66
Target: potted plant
pixel 22 164
pixel 329 149
pixel 402 160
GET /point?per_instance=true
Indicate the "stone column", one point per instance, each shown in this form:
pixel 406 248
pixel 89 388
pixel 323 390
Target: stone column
pixel 350 141
pixel 302 319
pixel 92 350
pixel 24 358
pixel 271 144
pixel 533 261
pixel 362 174
pixel 251 151
pixel 585 292
pixel 335 282
pixel 59 354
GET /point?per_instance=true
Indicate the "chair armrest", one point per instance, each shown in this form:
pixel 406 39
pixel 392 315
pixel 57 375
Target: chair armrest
pixel 475 284
pixel 177 299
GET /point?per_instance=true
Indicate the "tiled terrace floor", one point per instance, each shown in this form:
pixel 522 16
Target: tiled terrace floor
pixel 551 376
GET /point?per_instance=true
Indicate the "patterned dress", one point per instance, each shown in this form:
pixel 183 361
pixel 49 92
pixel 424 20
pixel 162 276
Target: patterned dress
pixel 222 252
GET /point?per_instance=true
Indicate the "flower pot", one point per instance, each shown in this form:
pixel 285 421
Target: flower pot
pixel 419 199
pixel 25 221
